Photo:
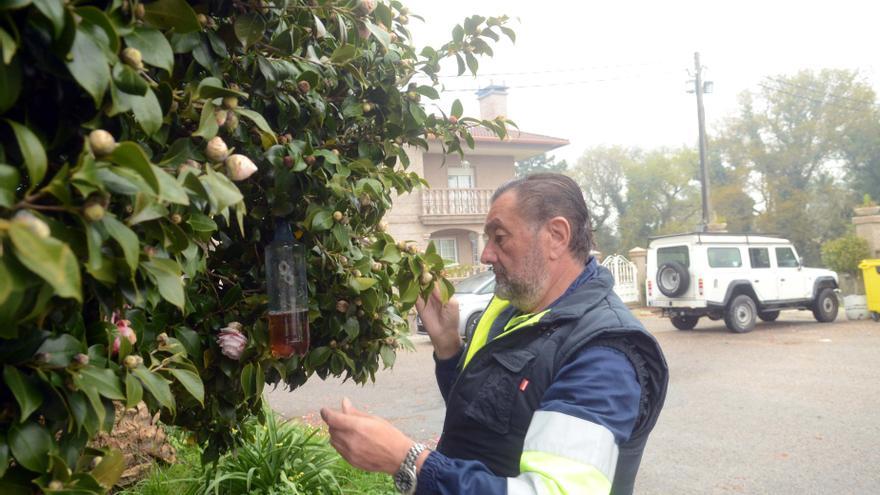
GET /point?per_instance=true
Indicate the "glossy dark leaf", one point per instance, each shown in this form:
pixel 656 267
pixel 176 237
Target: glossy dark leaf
pixel 249 28
pixel 26 394
pixel 191 382
pixel 168 14
pixel 89 66
pixel 100 19
pixel 156 385
pixel 108 471
pixel 128 80
pixel 10 83
pixel 30 444
pixel 134 391
pixel 126 239
pixel 49 258
pixel 130 155
pixel 9 178
pixel 166 274
pixel 32 151
pixel 54 11
pixel 154 47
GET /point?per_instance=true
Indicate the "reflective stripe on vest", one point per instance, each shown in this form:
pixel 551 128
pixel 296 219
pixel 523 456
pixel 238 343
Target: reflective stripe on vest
pixel 481 333
pixel 563 454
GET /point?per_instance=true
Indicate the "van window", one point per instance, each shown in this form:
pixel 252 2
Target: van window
pixel 760 257
pixel 674 253
pixel 785 258
pixel 725 257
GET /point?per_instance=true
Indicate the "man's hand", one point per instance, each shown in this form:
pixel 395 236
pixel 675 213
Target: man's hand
pixel 367 442
pixel 441 323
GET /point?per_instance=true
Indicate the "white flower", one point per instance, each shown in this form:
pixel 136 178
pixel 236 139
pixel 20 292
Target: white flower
pixel 232 342
pixel 239 167
pixel 216 149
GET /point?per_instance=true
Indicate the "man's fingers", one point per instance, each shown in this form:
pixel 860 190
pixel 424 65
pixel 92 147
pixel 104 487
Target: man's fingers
pixel 348 408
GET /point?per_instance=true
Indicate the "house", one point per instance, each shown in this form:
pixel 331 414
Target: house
pixel 451 212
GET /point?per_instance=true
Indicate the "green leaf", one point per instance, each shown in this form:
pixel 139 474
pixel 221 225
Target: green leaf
pixel 352 327
pixel 249 28
pixel 191 382
pixel 208 127
pixel 30 444
pixel 167 14
pixel 103 380
pixel 318 356
pixel 410 293
pixel 10 83
pixel 472 63
pixel 128 80
pixel 166 274
pixel 8 46
pixel 49 258
pixel 388 355
pixel 4 455
pixel 429 92
pixel 211 87
pixel 110 469
pixel 32 151
pixel 343 54
pixel 134 391
pixel 360 284
pixel 146 209
pixel 148 112
pixel 322 220
pixel 54 11
pixel 201 223
pixel 257 119
pixel 26 394
pixel 169 189
pixel 131 155
pixel 457 109
pixel 381 35
pixel 100 19
pixel 154 47
pixel 156 385
pixel 88 65
pixel 390 254
pixel 223 193
pixel 9 178
pixel 247 380
pixel 61 349
pixel 125 237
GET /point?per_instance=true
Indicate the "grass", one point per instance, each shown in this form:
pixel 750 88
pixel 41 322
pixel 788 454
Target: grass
pixel 278 458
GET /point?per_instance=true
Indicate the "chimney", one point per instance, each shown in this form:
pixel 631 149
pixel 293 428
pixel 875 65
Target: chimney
pixel 493 101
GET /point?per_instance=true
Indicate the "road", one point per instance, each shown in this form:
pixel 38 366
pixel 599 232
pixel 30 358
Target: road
pixel 790 408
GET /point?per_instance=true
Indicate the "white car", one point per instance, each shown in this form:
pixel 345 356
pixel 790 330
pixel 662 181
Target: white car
pixel 473 295
pixel 738 277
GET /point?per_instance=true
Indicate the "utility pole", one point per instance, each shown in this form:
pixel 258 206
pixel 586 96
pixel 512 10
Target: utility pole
pixel 701 118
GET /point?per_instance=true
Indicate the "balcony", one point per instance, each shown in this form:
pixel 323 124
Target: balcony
pixel 455 206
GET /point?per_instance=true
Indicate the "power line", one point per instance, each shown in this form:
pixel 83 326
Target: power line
pixel 819 92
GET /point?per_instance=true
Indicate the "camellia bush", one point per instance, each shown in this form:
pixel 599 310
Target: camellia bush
pixel 149 151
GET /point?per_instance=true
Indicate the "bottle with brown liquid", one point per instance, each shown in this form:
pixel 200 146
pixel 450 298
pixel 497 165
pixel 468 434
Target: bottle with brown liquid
pixel 288 290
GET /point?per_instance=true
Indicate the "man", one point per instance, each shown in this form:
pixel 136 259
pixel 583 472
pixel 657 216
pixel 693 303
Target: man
pixel 560 385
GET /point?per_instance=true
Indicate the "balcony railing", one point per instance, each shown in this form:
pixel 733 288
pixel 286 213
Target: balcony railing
pixel 456 201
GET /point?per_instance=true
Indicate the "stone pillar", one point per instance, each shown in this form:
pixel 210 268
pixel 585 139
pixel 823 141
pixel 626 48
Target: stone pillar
pixel 639 256
pixel 868 228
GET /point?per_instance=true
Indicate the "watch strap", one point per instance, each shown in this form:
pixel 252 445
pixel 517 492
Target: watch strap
pixel 405 478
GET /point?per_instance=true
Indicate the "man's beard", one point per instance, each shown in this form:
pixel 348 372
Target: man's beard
pixel 524 290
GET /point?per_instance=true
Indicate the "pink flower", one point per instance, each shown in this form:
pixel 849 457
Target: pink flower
pixel 123 329
pixel 232 342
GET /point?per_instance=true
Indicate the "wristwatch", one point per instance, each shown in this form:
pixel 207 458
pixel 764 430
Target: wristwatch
pixel 405 478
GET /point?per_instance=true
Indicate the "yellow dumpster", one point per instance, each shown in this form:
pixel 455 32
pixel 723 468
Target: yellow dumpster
pixel 871 275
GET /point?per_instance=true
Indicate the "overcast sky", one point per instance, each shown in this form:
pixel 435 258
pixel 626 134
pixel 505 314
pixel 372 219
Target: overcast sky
pixel 615 72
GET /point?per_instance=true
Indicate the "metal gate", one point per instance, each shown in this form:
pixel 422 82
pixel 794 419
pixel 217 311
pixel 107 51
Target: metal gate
pixel 625 279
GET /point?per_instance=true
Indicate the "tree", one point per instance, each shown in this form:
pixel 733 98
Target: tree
pixel 148 154
pixel 788 137
pixel 539 164
pixel 600 174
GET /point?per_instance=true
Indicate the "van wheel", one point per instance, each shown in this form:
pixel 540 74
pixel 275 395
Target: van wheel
pixel 768 315
pixel 741 314
pixel 685 322
pixel 673 279
pixel 825 306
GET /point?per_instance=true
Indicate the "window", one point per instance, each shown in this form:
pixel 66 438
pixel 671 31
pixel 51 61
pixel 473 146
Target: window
pixel 760 257
pixel 447 249
pixel 460 178
pixel 727 257
pixel 675 253
pixel 785 258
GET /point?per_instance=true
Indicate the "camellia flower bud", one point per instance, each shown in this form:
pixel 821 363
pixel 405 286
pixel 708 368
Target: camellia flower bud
pixel 37 226
pixel 342 305
pixel 240 167
pixel 80 360
pixel 232 342
pixel 220 116
pixel 366 7
pixel 93 211
pixel 131 362
pixel 230 102
pixel 101 142
pixel 216 149
pixel 231 122
pixel 132 57
pixel 303 86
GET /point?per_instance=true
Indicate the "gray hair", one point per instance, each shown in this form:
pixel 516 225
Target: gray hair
pixel 543 196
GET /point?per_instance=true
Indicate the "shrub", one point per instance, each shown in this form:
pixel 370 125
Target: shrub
pixel 147 153
pixel 844 254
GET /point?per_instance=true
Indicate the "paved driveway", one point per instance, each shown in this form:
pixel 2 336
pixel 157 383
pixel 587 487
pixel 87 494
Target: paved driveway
pixel 790 408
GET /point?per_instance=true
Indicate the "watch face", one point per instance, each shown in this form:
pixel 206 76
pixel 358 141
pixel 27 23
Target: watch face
pixel 404 480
